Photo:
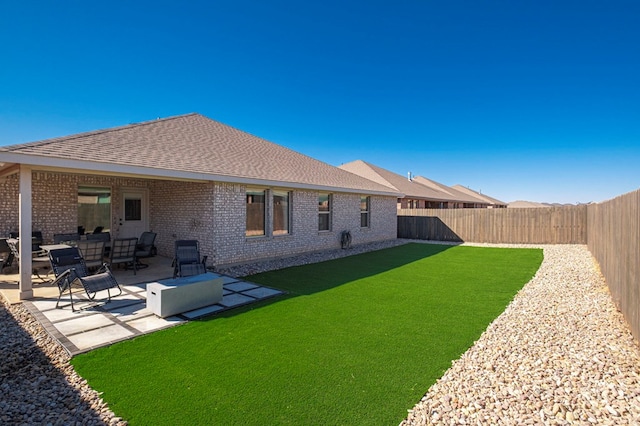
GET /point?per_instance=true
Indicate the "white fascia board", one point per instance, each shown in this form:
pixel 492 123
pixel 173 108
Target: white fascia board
pixel 95 167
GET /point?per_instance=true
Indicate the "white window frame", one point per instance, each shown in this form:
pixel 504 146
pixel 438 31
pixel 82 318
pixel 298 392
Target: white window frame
pixel 252 234
pixel 366 212
pixel 289 194
pixel 327 213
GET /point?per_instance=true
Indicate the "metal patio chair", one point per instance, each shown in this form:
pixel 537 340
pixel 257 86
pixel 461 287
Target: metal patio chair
pixel 69 267
pixel 39 258
pixel 36 239
pixel 92 252
pixel 123 252
pixel 6 256
pixel 145 247
pixel 102 236
pixel 187 260
pixel 63 238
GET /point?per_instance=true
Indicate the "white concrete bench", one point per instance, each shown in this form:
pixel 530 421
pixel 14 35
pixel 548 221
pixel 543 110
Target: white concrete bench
pixel 177 295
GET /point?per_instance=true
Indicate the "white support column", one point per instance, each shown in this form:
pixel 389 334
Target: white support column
pixel 25 212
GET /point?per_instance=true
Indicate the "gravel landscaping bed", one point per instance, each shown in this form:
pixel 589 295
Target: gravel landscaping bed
pixel 560 354
pixel 38 386
pixel 304 259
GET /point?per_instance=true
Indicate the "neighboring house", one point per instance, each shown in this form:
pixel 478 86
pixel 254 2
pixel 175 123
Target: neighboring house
pixel 418 192
pixel 189 177
pixel 493 202
pixel 521 204
pixel 460 199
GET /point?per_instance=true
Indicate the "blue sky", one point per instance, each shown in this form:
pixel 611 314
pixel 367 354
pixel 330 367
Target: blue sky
pixel 534 100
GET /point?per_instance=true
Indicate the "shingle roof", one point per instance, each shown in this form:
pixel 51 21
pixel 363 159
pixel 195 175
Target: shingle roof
pixel 195 146
pixel 477 194
pixel 457 195
pixel 418 187
pixel 410 188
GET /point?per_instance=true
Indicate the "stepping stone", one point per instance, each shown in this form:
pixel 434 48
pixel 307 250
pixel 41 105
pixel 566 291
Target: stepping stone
pixel 152 323
pixel 240 286
pixel 235 299
pixel 207 310
pixel 262 292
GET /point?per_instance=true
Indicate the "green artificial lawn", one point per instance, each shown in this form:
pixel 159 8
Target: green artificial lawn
pixel 357 340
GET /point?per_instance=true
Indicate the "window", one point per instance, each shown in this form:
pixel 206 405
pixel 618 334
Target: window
pixel 324 212
pixel 255 212
pixel 281 212
pixel 365 206
pixel 94 208
pixel 132 209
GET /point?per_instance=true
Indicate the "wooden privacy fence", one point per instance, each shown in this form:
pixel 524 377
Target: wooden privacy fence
pixel 614 240
pixel 552 225
pixel 610 229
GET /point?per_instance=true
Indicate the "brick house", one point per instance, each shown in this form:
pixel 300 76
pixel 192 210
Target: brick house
pixel 493 203
pixel 417 192
pixel 189 177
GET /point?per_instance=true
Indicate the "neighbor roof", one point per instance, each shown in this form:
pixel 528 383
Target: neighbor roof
pixel 187 147
pixel 410 188
pixel 457 195
pixel 480 195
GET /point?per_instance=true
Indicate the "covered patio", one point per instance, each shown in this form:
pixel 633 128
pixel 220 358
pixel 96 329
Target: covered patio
pixel 100 323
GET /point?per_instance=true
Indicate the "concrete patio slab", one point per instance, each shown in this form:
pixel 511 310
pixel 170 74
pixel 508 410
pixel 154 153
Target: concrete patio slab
pixel 81 324
pixel 100 337
pixel 97 323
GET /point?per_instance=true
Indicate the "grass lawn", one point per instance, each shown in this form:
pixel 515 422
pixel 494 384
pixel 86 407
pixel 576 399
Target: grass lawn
pixel 357 340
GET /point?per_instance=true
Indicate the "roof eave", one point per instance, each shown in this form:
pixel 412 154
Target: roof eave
pixel 96 167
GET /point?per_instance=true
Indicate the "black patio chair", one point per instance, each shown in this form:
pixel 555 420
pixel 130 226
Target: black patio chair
pixel 62 238
pixel 6 256
pixel 69 267
pixel 145 247
pixel 123 252
pixel 187 260
pixel 36 239
pixel 102 236
pixel 39 258
pixel 92 252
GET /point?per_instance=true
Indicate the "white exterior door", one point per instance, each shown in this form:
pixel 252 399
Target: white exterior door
pixel 134 214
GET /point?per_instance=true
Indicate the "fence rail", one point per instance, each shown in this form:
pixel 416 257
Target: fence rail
pixel 553 225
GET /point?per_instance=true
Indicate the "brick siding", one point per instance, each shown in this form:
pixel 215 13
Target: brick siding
pixel 211 212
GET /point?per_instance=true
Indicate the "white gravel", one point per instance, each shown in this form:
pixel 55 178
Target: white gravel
pixel 561 353
pixel 38 386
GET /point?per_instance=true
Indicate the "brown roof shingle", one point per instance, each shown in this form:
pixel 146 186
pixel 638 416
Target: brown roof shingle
pixel 418 187
pixel 198 145
pixel 479 195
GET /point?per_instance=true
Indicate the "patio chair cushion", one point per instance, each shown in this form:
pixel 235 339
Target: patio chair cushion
pixel 190 269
